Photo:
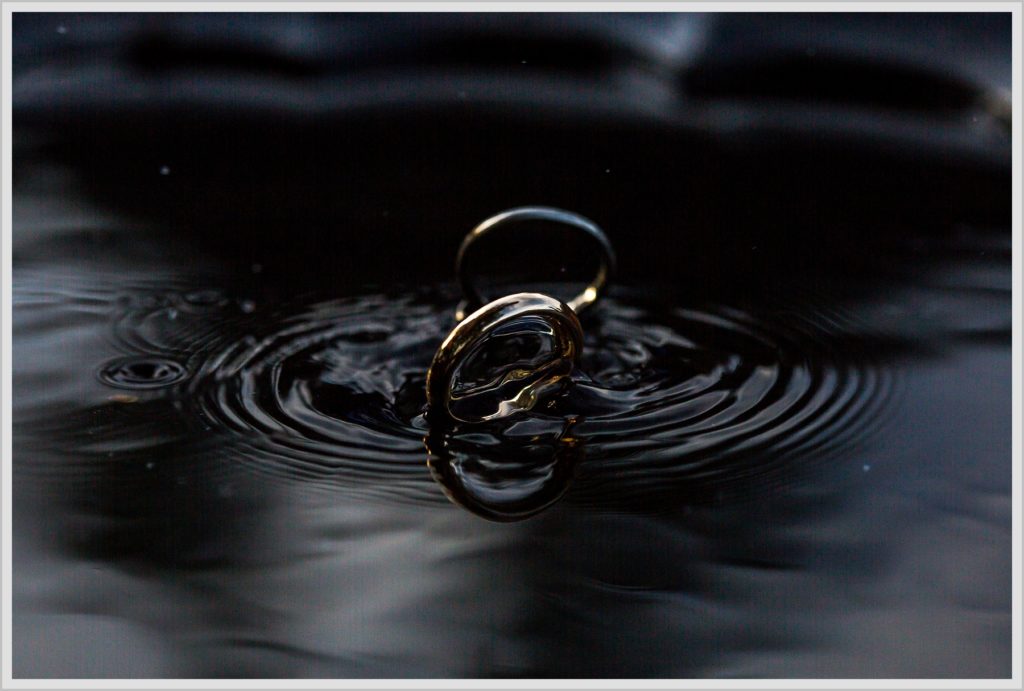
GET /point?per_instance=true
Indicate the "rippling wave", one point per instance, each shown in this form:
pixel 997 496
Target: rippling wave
pixel 331 393
pixel 715 397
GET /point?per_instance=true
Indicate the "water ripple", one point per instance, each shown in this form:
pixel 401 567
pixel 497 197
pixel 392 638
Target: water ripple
pixel 331 393
pixel 336 392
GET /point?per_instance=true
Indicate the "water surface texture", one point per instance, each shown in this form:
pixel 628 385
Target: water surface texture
pixel 785 451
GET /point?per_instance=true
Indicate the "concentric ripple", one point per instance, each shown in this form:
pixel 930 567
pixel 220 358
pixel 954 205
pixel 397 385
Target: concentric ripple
pixel 334 392
pixel 331 393
pixel 716 397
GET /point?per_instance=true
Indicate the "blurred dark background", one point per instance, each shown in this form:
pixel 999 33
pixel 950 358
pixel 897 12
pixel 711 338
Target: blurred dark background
pixel 353 133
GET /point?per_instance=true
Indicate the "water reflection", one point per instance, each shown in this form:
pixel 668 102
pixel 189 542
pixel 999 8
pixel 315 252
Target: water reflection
pixel 737 472
pixel 505 470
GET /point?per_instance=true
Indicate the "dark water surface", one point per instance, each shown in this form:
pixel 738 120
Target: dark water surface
pixel 213 479
pixel 791 447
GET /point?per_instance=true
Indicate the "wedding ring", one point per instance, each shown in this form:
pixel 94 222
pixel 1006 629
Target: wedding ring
pixel 473 298
pixel 555 338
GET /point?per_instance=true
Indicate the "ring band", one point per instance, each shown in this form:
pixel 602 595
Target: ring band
pixel 473 298
pixel 475 329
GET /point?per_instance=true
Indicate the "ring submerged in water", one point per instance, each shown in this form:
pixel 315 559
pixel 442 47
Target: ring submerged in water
pixel 503 359
pixel 531 342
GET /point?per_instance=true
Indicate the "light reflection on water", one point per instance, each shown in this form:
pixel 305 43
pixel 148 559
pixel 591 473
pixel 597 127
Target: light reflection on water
pixel 811 479
pixel 784 493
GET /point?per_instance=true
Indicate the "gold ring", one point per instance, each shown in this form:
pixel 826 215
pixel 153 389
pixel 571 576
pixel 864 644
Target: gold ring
pixel 473 298
pixel 553 338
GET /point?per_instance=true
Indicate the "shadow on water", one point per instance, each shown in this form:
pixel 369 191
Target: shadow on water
pixel 796 396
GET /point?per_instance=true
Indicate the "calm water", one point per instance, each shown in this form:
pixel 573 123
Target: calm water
pixel 220 468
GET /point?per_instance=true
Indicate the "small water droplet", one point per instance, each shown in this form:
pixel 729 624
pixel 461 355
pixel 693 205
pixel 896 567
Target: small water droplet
pixel 607 170
pixel 150 465
pixel 247 306
pixel 165 170
pixel 142 373
pixel 256 268
pixel 866 467
pixel 61 29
